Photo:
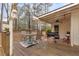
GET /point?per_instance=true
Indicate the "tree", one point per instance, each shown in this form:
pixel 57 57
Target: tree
pixel 35 9
pixel 4 7
pixel 41 8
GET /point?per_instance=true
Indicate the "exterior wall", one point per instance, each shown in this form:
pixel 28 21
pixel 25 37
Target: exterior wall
pixel 75 27
pixel 64 26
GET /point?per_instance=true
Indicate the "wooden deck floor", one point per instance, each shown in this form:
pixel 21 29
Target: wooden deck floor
pixel 46 50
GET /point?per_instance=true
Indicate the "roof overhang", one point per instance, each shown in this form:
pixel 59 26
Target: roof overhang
pixel 49 17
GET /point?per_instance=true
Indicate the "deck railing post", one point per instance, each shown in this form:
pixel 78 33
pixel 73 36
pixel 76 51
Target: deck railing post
pixel 13 17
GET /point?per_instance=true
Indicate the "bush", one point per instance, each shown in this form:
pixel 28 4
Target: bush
pixel 48 30
pixel 6 30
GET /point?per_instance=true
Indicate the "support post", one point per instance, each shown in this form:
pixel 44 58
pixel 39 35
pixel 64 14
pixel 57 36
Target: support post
pixel 13 17
pixel 11 36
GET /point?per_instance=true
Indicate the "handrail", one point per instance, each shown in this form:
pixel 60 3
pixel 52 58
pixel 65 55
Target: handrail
pixel 5 43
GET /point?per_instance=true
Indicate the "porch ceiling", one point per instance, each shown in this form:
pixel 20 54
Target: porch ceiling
pixel 57 14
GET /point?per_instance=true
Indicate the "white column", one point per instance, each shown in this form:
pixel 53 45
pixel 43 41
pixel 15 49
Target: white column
pixel 75 27
pixel 11 36
pixel 39 25
pixel 71 33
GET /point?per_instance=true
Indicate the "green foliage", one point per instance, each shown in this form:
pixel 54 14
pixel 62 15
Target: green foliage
pixel 48 30
pixel 6 30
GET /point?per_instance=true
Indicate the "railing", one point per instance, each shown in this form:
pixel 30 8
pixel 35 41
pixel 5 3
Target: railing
pixel 5 42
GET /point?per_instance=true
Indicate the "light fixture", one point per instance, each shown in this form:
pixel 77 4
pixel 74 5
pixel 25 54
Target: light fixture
pixel 57 21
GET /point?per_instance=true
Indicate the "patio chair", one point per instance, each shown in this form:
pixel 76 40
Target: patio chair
pixel 67 38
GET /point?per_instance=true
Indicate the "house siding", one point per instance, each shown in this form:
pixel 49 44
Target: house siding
pixel 75 27
pixel 64 26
